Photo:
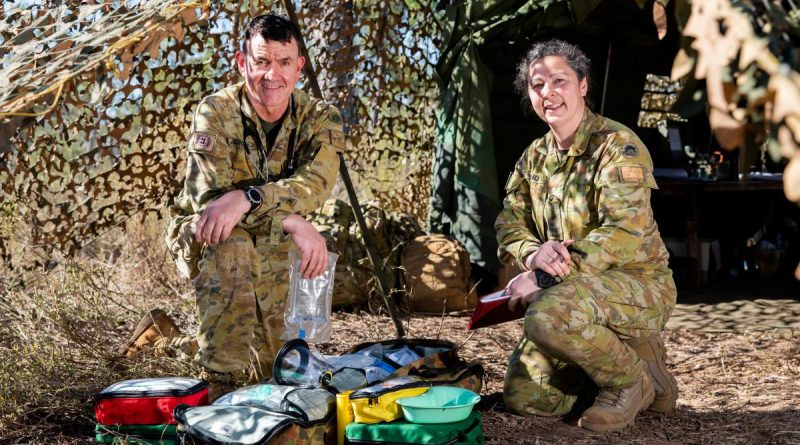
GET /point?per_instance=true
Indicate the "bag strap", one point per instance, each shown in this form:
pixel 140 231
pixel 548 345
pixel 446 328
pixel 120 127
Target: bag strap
pixel 462 435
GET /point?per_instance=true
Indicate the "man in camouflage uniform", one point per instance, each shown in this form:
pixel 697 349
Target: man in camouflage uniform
pixel 579 213
pixel 261 155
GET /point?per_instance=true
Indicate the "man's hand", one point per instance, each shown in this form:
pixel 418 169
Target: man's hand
pixel 522 289
pixel 220 217
pixel 310 243
pixel 551 257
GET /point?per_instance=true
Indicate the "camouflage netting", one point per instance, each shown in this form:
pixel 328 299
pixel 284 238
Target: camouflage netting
pixel 747 54
pixel 123 79
pixel 95 99
pixel 659 95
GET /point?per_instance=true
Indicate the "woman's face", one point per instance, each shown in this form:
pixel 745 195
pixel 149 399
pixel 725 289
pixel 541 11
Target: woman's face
pixel 556 93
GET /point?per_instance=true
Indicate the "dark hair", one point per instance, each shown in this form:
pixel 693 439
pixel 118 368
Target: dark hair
pixel 271 27
pixel 575 58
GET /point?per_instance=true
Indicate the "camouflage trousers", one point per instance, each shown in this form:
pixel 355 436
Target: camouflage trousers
pixel 574 338
pixel 240 286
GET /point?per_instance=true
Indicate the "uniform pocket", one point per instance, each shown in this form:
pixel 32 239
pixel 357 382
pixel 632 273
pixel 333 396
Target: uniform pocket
pixel 634 304
pixel 182 245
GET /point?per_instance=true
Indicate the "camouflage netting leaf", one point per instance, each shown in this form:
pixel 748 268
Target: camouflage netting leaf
pixel 747 52
pixel 124 77
pixel 660 93
pixel 376 61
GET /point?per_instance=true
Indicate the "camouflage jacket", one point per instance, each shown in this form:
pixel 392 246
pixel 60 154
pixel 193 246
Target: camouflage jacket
pixel 221 158
pixel 597 193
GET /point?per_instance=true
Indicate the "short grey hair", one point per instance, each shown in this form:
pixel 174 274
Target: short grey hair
pixel 572 54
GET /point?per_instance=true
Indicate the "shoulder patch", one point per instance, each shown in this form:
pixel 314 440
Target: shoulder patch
pixel 203 141
pixel 629 151
pixel 631 174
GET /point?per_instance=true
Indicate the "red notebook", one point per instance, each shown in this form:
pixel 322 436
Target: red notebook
pixel 493 309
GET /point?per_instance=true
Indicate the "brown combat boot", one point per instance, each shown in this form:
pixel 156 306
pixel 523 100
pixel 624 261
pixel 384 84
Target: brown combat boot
pixel 219 383
pixel 615 409
pixel 154 331
pixel 654 354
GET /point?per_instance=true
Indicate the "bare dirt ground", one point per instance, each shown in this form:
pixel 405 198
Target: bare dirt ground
pixel 59 333
pixel 735 388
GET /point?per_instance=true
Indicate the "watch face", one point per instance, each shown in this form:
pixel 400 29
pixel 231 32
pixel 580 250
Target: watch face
pixel 253 196
pixel 545 280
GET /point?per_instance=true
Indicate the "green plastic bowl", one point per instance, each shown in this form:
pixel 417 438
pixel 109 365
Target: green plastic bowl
pixel 440 404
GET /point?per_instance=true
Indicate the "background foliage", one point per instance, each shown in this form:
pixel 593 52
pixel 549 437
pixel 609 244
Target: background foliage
pixel 124 77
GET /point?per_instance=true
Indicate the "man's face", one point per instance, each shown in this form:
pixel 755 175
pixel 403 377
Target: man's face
pixel 271 70
pixel 556 93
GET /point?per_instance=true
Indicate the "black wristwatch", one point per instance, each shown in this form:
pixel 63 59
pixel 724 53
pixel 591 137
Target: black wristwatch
pixel 545 280
pixel 254 197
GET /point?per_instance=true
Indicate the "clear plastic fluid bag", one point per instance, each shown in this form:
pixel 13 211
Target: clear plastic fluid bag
pixel 308 308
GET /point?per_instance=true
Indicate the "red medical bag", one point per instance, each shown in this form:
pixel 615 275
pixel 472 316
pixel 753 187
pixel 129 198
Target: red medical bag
pixel 147 401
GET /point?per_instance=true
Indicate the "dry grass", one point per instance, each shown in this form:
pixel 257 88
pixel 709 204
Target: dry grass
pixel 59 333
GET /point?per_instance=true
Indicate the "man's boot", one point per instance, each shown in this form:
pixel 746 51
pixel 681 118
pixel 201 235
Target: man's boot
pixel 219 383
pixel 615 409
pixel 654 355
pixel 154 331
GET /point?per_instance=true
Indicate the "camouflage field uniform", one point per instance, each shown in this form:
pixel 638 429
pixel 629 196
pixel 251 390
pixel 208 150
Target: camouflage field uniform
pixel 619 286
pixel 241 284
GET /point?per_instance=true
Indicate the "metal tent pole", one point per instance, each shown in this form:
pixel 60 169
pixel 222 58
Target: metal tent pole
pixel 369 243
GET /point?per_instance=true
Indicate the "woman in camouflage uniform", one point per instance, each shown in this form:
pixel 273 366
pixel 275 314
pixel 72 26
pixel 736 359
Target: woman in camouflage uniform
pixel 577 217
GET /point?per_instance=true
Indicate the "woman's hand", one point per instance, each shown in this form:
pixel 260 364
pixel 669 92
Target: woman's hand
pixel 551 257
pixel 522 289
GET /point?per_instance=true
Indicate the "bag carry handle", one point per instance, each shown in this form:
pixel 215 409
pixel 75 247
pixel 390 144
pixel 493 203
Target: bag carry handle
pixel 428 372
pixel 462 435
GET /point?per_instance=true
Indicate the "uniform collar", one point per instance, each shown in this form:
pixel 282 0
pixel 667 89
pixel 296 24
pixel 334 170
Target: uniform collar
pixel 250 112
pixel 588 126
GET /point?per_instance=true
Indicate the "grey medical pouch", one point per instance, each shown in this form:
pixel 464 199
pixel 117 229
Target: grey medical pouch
pixel 260 414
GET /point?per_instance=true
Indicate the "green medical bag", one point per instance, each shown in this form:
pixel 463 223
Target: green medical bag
pixel 467 431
